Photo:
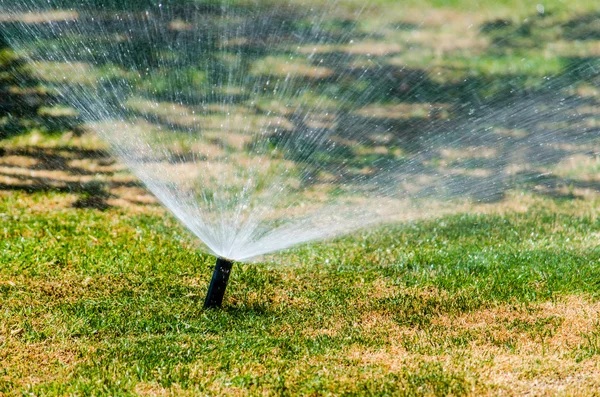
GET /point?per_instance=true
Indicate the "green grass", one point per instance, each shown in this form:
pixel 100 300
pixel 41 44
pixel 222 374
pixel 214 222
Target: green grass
pixel 108 302
pixel 107 299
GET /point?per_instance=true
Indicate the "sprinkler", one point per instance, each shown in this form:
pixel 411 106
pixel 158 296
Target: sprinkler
pixel 216 290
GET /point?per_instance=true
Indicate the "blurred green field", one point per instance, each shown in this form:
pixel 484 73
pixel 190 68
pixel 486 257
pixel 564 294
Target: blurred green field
pixel 101 290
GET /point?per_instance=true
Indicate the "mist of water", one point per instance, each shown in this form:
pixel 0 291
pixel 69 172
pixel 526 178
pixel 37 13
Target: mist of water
pixel 264 126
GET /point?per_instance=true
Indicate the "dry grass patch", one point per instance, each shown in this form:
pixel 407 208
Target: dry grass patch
pixel 435 17
pixel 27 364
pixel 370 48
pixel 405 111
pixel 451 41
pixel 514 349
pixel 18 161
pixel 587 48
pixel 273 66
pixel 151 390
pixel 40 17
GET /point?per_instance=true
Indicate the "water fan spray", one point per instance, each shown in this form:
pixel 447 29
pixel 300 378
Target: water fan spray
pixel 262 126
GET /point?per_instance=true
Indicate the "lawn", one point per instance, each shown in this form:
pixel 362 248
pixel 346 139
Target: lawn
pixel 101 288
pixel 110 302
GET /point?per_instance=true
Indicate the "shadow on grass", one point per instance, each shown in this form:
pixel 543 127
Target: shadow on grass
pixel 202 54
pixel 24 103
pixel 65 170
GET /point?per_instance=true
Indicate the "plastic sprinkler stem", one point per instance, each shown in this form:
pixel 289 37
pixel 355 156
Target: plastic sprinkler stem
pixel 216 290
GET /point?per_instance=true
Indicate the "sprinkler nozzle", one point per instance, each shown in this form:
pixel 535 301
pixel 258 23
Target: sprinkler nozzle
pixel 216 290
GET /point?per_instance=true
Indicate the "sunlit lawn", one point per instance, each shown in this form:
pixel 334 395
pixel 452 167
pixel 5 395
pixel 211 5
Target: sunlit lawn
pixel 110 302
pixel 101 290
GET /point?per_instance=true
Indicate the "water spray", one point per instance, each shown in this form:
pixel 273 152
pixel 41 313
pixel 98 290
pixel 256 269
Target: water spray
pixel 271 135
pixel 216 290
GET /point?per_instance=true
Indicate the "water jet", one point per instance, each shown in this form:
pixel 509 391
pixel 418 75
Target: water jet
pixel 262 126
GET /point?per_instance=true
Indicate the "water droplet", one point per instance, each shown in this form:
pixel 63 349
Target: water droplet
pixel 540 8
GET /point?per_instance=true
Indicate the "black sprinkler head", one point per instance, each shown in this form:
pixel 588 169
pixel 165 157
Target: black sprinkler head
pixel 216 290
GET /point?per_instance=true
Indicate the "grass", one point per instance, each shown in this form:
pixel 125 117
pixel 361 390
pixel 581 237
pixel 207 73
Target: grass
pixel 101 290
pixel 110 302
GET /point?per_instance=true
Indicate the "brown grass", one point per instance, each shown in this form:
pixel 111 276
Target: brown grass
pixel 515 350
pixel 40 17
pixel 34 363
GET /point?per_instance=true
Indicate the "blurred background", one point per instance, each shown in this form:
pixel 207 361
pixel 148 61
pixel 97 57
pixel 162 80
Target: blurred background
pixel 389 80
